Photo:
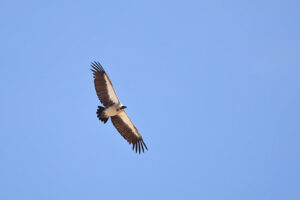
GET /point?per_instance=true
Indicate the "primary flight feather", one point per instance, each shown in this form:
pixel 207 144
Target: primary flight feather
pixel 114 109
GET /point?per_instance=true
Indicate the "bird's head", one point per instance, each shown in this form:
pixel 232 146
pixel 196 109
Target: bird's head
pixel 123 107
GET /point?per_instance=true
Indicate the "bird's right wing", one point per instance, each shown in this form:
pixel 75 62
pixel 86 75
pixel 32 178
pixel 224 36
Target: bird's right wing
pixel 127 129
pixel 104 88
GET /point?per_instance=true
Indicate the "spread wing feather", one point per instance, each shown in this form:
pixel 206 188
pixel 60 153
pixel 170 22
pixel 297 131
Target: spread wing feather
pixel 127 129
pixel 103 86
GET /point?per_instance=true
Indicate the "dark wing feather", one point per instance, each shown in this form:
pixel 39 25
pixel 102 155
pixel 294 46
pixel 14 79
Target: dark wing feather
pixel 103 85
pixel 127 129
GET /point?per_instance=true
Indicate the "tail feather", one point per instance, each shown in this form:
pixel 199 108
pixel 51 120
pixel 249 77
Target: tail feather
pixel 100 114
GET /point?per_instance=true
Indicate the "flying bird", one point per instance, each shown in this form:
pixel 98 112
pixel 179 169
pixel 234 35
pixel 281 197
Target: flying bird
pixel 114 109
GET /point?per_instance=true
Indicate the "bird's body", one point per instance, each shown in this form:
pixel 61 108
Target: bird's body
pixel 114 109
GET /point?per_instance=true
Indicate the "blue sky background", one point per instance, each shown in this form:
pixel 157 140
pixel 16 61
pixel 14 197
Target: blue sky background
pixel 213 87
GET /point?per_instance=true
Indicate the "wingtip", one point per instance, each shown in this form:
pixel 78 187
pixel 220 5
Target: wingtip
pixel 138 146
pixel 97 66
pixel 145 145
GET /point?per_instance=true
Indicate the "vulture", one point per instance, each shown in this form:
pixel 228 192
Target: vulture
pixel 114 109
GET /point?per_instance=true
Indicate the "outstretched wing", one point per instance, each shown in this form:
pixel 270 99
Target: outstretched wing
pixel 127 129
pixel 103 86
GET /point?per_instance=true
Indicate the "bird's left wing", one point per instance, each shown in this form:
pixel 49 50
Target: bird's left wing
pixel 103 86
pixel 127 129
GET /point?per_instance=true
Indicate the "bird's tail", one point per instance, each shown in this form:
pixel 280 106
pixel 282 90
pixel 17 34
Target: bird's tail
pixel 100 114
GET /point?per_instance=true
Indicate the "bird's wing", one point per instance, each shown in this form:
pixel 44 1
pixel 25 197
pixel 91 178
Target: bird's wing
pixel 127 129
pixel 103 86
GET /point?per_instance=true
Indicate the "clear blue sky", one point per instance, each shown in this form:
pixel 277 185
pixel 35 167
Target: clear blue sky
pixel 213 87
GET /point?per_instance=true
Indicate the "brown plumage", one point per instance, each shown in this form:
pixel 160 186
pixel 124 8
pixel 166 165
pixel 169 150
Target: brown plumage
pixel 130 134
pixel 114 109
pixel 101 81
